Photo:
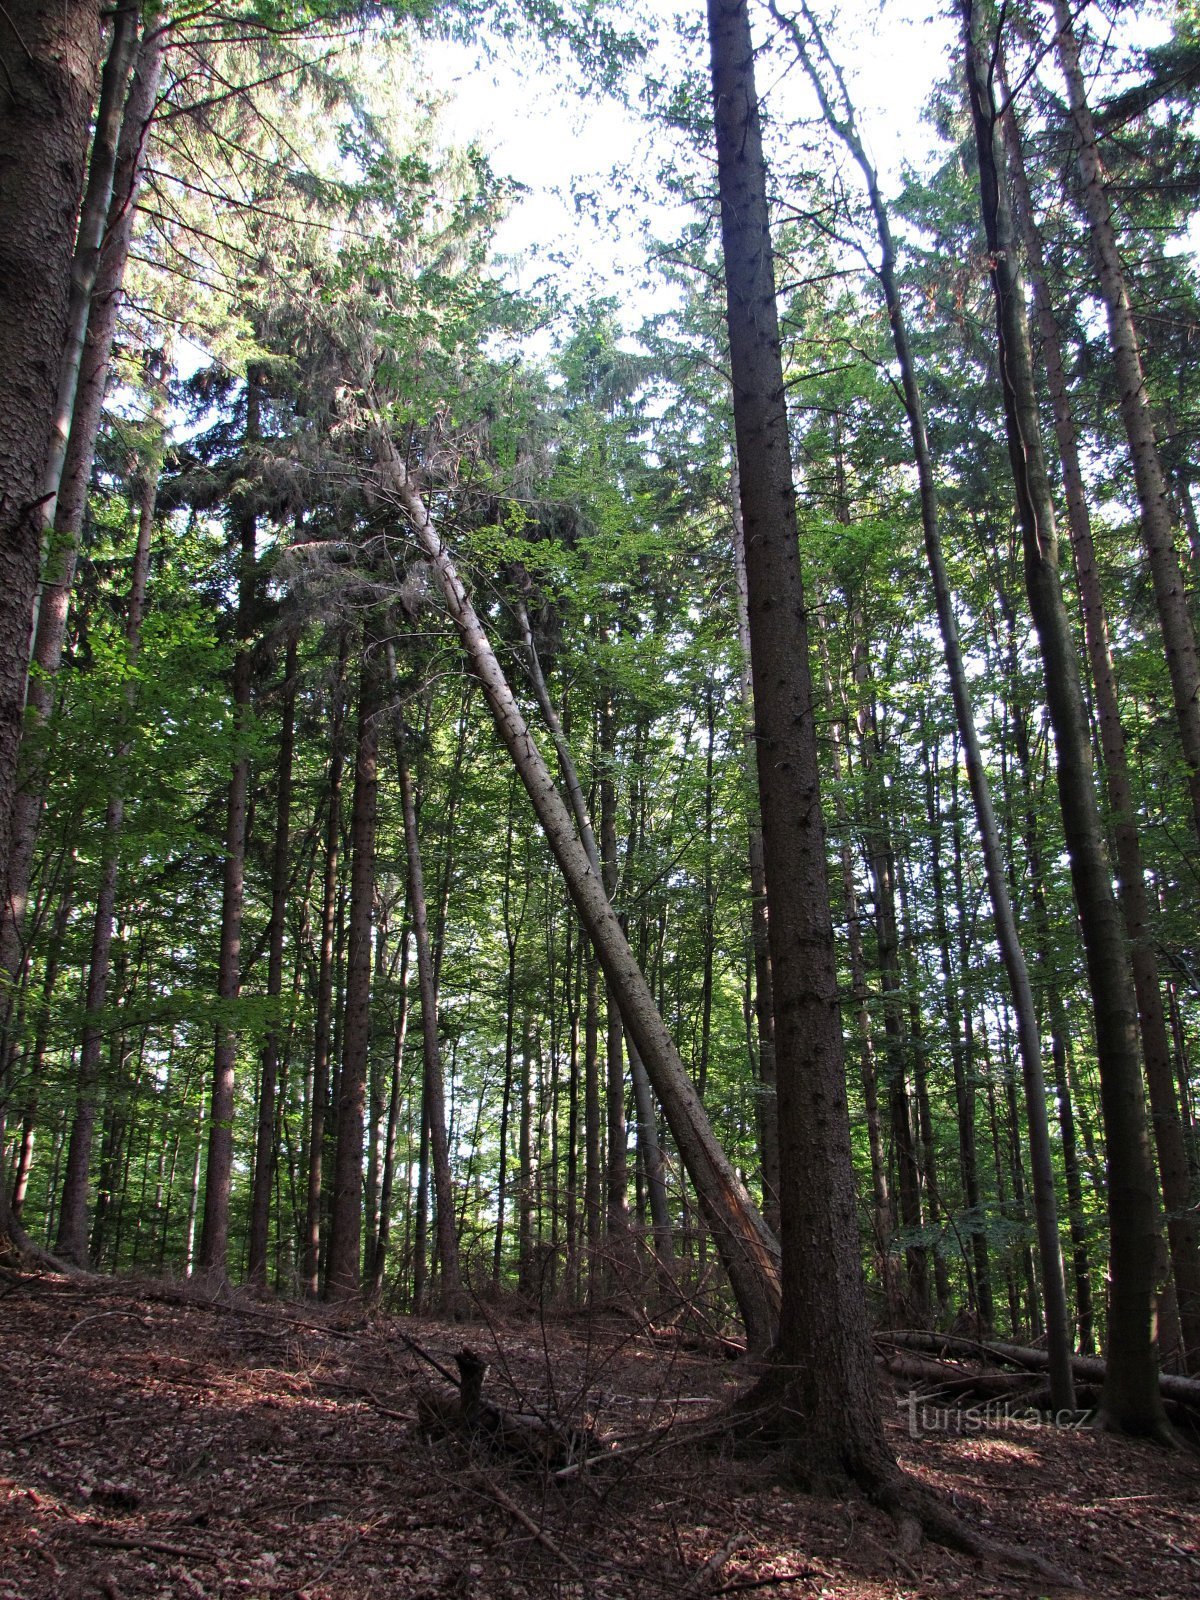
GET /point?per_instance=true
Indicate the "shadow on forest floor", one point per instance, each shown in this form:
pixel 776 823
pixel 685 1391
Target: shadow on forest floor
pixel 154 1443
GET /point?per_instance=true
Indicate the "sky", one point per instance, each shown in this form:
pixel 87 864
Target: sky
pixel 536 129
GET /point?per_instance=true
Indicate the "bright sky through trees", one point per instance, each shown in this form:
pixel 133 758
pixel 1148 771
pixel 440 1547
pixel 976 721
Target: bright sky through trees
pixel 530 117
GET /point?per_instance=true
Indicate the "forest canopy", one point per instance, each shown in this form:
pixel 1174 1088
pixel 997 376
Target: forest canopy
pixel 555 778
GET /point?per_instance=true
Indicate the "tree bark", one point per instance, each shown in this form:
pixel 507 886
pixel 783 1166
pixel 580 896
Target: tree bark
pixel 49 56
pixel 265 1147
pixel 1131 1397
pixel 827 1371
pixel 746 1246
pixel 345 1213
pixel 218 1178
pixel 72 1216
pixel 74 480
pixel 1153 493
pixel 97 198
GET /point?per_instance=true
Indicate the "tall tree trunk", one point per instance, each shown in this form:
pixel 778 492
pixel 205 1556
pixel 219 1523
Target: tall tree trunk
pixel 617 1241
pixel 388 1178
pixel 265 1149
pixel 1131 1398
pixel 883 1204
pixel 961 1065
pixel 323 1026
pixel 746 1245
pixel 881 860
pixel 93 215
pixel 345 1214
pixel 37 1057
pixel 1183 1228
pixel 827 1371
pixel 218 1178
pixel 49 56
pixel 434 1086
pixel 72 1216
pixel 1153 493
pixel 768 1111
pixel 839 113
pixel 653 1159
pixel 74 479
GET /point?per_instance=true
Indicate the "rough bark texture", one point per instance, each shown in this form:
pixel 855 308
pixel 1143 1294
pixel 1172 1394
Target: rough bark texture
pixel 747 1249
pixel 218 1177
pixel 827 1370
pixel 1183 1227
pixel 433 1083
pixel 840 116
pixel 49 55
pixel 93 216
pixel 72 1217
pixel 1158 533
pixel 1131 1396
pixel 345 1214
pixel 73 482
pixel 266 1142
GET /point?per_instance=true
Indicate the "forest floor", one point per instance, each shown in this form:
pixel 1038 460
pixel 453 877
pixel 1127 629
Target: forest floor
pixel 157 1443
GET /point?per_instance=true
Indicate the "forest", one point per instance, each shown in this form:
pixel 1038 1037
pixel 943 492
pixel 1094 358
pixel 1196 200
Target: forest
pixel 528 805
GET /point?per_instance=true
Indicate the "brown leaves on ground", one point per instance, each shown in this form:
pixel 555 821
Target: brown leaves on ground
pixel 154 1443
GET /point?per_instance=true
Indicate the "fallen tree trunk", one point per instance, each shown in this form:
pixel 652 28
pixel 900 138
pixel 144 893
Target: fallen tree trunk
pixel 1090 1368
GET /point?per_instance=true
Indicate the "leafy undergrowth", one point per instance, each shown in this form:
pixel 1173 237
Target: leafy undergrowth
pixel 155 1443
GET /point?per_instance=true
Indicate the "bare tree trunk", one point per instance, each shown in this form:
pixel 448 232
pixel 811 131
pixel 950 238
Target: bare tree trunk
pixel 961 1066
pixel 882 864
pixel 827 1375
pixel 388 1177
pixel 746 1246
pixel 1158 534
pixel 314 1170
pixel 617 1240
pixel 654 1162
pixel 768 1111
pixel 93 215
pixel 266 1149
pixel 218 1178
pixel 49 56
pixel 1131 1397
pixel 72 1216
pixel 1183 1229
pixel 883 1203
pixel 342 1265
pixel 841 118
pixel 74 479
pixel 434 1086
pixel 37 1057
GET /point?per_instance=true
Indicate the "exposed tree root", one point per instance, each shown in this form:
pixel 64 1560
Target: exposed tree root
pixel 1164 1434
pixel 764 1417
pixel 19 1253
pixel 912 1507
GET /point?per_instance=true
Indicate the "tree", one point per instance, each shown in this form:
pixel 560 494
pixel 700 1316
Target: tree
pixel 839 113
pixel 48 61
pixel 826 1372
pixel 1131 1394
